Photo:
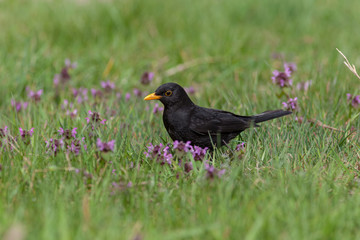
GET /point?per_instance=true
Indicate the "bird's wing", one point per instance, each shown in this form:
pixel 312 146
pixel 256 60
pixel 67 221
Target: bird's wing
pixel 205 121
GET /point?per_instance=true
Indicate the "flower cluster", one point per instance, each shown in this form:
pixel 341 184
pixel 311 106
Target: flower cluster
pixel 240 150
pixel 35 95
pixel 53 146
pixel 26 135
pixel 96 93
pixel 211 171
pixel 163 154
pixel 283 79
pixel 108 86
pixel 7 141
pixel 181 147
pixel 157 109
pixel 3 131
pixel 94 118
pixel 3 136
pixel 290 67
pixel 137 92
pixel 80 94
pixel 64 75
pixel 146 78
pixel 19 105
pixel 353 100
pixel 240 147
pixel 291 104
pixel 198 153
pixel 69 107
pixel 68 141
pixel 159 153
pixel 105 146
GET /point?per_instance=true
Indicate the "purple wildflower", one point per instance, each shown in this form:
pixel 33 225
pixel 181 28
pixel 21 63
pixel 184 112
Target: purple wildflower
pixel 69 112
pixel 211 171
pixel 282 78
pixel 127 96
pixel 54 145
pixel 105 146
pixel 355 101
pixel 64 75
pixel 67 134
pixel 159 153
pixel 75 146
pixel 94 117
pixel 61 131
pixel 96 93
pixel 73 132
pixel 291 104
pixel 25 135
pixel 108 86
pixel 290 66
pixel 66 104
pixel 72 113
pixel 35 96
pixel 190 90
pixel 240 147
pixel 154 151
pixel 299 119
pixel 118 95
pixel 146 78
pixel 188 166
pixel 3 132
pixel 240 150
pixel 19 105
pixel 304 85
pixel 80 94
pixel 167 156
pixel 180 146
pixel 6 140
pixel 157 109
pixel 137 92
pixel 198 153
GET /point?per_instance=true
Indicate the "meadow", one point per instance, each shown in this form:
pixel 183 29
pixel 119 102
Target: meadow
pixel 75 130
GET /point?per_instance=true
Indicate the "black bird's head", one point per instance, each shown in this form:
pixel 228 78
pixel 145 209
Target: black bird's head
pixel 170 94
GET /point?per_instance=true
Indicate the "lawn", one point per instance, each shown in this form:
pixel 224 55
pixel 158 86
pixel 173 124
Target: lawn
pixel 296 178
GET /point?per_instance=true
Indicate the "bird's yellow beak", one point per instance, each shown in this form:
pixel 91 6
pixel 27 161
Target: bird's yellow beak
pixel 152 96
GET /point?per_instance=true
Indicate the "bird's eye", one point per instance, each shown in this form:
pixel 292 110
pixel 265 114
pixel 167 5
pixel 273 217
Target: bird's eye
pixel 168 93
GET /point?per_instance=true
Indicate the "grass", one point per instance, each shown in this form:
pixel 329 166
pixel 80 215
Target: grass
pixel 294 181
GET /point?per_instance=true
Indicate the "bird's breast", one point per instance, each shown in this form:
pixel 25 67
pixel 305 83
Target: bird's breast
pixel 176 123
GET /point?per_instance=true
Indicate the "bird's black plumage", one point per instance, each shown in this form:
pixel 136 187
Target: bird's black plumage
pixel 204 127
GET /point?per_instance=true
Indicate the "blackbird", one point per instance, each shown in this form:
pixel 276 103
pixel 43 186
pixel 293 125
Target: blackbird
pixel 204 127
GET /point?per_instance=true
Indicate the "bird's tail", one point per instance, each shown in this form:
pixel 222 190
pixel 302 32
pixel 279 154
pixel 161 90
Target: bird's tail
pixel 268 115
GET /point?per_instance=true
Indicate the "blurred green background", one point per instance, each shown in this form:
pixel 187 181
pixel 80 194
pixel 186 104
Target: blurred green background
pixel 37 36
